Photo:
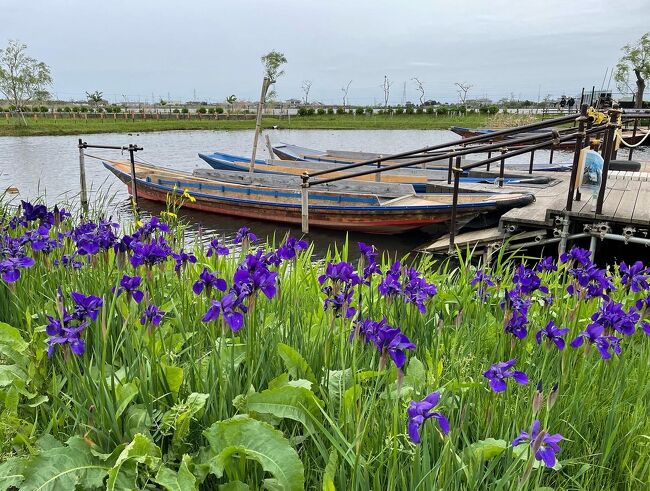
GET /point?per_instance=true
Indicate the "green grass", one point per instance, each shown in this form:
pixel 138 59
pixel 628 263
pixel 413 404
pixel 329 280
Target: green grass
pixel 190 402
pixel 69 126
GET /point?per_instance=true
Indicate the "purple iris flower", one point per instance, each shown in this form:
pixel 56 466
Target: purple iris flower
pixel 590 281
pixel 645 326
pixel 516 319
pixel 578 255
pixel 483 280
pixel 416 290
pixel 69 261
pixel 150 253
pixel 340 273
pixel 553 334
pixel 635 277
pixel 390 340
pixel 244 235
pixel 594 336
pixel 91 238
pixel 613 317
pixel 152 314
pixel 419 411
pixel 217 248
pixel 147 229
pixel 182 258
pixel 546 264
pixel 253 275
pixel 11 266
pixel 390 285
pixel 33 212
pixel 369 260
pixel 499 372
pixel 64 332
pixel 232 308
pixel 527 281
pixel 543 444
pixel 291 247
pixel 207 281
pixel 340 291
pixel 86 306
pixel 130 285
pixel 367 328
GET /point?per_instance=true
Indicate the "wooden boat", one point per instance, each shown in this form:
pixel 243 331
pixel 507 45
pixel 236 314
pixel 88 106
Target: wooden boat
pixel 286 151
pixel 370 213
pixel 418 177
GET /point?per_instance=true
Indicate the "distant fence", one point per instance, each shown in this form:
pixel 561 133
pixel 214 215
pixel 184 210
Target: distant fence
pixel 127 116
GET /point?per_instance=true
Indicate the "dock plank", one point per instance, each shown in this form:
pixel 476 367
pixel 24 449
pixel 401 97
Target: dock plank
pixel 641 213
pixel 627 204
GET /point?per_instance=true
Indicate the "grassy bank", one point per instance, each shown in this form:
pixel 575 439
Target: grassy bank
pixel 69 126
pixel 132 362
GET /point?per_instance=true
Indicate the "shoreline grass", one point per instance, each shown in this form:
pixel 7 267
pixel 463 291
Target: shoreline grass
pixel 275 392
pixel 69 126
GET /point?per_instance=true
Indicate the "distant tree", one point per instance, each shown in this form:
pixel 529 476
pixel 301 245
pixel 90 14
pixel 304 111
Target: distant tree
pixel 231 99
pixel 463 89
pixel 95 98
pixel 163 103
pixel 345 91
pixel 306 87
pixel 636 59
pixel 21 77
pixel 386 87
pixel 272 61
pixel 420 88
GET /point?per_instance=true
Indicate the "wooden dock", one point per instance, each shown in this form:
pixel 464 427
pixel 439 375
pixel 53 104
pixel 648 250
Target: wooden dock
pixel 626 207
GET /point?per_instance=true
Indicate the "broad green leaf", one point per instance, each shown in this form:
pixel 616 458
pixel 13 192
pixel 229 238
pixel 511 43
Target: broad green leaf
pixel 295 364
pixel 11 473
pixel 183 480
pixel 330 471
pixel 486 449
pixel 177 420
pixel 523 452
pixel 124 474
pixel 174 378
pixel 283 379
pixel 11 401
pixel 296 403
pixel 10 374
pixel 38 401
pixel 72 466
pixel 416 375
pixel 125 393
pixel 351 396
pixel 337 383
pixel 257 441
pixel 11 342
pixel 136 420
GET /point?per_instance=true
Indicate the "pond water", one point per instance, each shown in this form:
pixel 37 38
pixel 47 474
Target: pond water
pixel 48 167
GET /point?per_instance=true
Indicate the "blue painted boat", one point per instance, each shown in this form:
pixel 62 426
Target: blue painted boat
pixel 418 178
pixel 367 213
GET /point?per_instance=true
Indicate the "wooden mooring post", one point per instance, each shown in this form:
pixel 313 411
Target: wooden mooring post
pixel 304 198
pixel 82 177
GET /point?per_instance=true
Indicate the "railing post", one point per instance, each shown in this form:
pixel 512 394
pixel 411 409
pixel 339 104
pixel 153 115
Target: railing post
pixel 82 177
pixel 609 142
pixel 489 155
pixel 532 159
pixel 636 125
pixel 454 209
pixel 305 203
pixel 582 119
pixel 451 164
pixel 502 168
pixel 550 159
pixel 134 185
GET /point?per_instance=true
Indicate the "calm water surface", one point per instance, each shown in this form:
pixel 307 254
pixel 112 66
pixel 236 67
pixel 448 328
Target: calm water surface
pixel 48 166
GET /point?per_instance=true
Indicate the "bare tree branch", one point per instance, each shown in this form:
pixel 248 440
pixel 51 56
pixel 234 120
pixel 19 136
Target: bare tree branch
pixel 420 88
pixel 345 93
pixel 306 87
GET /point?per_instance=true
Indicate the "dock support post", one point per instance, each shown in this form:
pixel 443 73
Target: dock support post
pixel 454 208
pixel 451 164
pixel 304 191
pixel 582 119
pixel 502 167
pixel 532 159
pixel 564 235
pixel 636 126
pixel 82 177
pixel 489 155
pixel 269 147
pixel 134 185
pixel 592 247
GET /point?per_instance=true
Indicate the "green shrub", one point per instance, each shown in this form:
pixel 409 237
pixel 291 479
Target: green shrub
pixel 410 110
pixel 340 110
pixel 419 110
pixel 44 109
pixel 311 111
pixel 302 111
pixel 185 110
pixel 321 111
pixel 493 109
pixel 441 111
pixel 430 110
pixel 330 110
pixel 67 109
pixel 399 110
pixel 370 110
pixel 83 109
pixel 359 111
pixel 219 110
pixel 211 110
pixel 176 111
pixel 201 110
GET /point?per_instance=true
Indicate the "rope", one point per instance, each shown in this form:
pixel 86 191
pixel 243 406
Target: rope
pixel 640 142
pixel 95 157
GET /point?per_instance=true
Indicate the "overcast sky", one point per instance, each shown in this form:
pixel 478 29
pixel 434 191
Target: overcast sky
pixel 209 49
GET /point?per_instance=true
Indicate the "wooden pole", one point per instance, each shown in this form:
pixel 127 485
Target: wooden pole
pixel 269 147
pixel 258 123
pixel 82 177
pixel 454 210
pixel 134 186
